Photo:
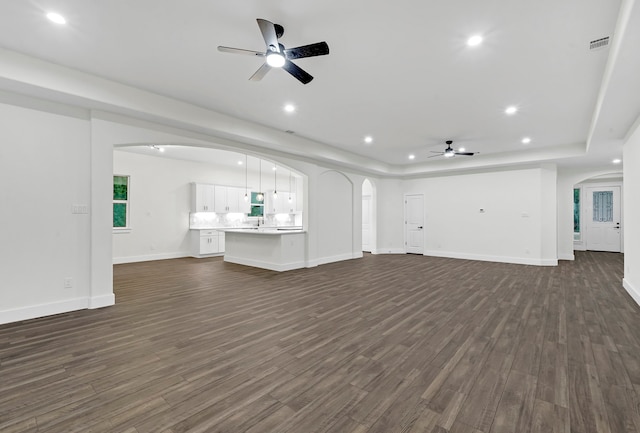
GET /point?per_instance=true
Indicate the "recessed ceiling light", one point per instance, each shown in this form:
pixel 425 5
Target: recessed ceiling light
pixel 368 139
pixel 512 109
pixel 462 149
pixel 274 168
pixel 617 161
pixel 56 18
pixel 412 156
pixel 289 108
pixel 526 140
pixel 474 40
pixel 240 162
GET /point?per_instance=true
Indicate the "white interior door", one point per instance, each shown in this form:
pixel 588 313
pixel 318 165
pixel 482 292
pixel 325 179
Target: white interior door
pixel 366 223
pixel 414 223
pixel 603 218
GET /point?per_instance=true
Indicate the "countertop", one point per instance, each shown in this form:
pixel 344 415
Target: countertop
pixel 264 231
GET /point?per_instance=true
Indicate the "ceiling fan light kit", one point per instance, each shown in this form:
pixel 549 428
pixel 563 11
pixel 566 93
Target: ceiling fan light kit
pixel 449 152
pixel 277 56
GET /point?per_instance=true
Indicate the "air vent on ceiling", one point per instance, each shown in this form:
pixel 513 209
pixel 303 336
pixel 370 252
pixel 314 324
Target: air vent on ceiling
pixel 599 43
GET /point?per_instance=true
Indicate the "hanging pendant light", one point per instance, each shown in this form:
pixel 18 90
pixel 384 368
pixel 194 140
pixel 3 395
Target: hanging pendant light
pixel 246 188
pixel 260 196
pixel 275 181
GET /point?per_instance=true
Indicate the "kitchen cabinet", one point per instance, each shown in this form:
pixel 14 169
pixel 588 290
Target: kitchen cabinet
pixel 206 243
pixel 202 197
pixel 281 204
pixel 230 199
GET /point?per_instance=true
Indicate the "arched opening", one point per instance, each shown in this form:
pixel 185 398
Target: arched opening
pixel 168 180
pixel 369 216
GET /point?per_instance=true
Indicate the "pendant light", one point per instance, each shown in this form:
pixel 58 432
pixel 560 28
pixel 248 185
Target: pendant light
pixel 289 186
pixel 246 188
pixel 260 196
pixel 275 180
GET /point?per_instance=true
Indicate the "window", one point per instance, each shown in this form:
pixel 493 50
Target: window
pixel 576 210
pixel 120 202
pixel 603 206
pixel 257 206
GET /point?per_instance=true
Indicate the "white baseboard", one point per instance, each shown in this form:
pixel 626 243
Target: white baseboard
pixel 148 258
pixel 498 259
pixel 279 267
pixel 388 251
pixel 633 291
pixel 336 258
pixel 566 257
pixel 42 310
pixel 101 301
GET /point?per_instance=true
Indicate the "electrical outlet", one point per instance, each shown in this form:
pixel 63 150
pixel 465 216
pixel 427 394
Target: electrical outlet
pixel 68 282
pixel 80 209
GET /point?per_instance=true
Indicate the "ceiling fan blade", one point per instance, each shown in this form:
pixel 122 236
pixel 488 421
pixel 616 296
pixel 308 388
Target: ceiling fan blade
pixel 240 51
pixel 439 153
pixel 433 156
pixel 260 73
pixel 311 50
pixel 466 153
pixel 302 76
pixel 268 30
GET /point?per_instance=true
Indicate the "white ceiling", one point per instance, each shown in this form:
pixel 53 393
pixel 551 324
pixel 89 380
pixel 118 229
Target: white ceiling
pixel 398 71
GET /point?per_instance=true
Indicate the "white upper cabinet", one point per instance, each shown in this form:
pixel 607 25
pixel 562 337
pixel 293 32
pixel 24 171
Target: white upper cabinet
pixel 221 204
pixel 281 204
pixel 230 199
pixel 202 197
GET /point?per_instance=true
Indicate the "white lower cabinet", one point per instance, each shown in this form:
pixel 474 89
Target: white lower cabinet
pixel 206 243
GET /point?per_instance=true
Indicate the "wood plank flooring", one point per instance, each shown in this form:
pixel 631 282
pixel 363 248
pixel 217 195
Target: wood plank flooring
pixel 389 343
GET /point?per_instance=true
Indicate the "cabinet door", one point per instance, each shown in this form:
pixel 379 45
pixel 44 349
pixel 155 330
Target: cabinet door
pixel 233 199
pixel 202 197
pixel 220 203
pixel 239 205
pixel 208 244
pixel 244 206
pixel 289 205
pixel 269 203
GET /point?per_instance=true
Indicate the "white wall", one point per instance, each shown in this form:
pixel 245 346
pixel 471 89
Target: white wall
pixel 517 225
pixel 632 215
pixel 389 216
pixel 335 206
pixel 44 171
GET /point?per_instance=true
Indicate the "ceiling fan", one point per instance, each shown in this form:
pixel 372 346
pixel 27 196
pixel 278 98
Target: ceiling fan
pixel 449 152
pixel 277 56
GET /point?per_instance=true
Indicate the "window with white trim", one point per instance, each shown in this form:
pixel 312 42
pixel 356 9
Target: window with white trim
pixel 121 202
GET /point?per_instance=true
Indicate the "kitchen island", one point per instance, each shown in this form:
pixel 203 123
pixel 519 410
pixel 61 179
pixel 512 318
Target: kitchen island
pixel 267 248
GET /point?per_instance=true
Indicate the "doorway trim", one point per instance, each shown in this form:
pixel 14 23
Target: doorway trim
pixel 584 185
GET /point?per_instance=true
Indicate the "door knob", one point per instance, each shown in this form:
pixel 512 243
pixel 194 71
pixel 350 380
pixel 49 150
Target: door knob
pixel 419 227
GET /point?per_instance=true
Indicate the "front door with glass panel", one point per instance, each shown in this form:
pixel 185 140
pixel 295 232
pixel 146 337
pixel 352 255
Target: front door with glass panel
pixel 603 218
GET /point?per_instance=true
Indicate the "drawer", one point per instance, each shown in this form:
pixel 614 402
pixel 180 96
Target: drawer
pixel 208 232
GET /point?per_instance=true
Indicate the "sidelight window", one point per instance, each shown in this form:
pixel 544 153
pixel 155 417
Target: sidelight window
pixel 576 210
pixel 121 202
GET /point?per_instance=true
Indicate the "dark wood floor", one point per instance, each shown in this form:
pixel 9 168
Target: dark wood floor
pixel 384 344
